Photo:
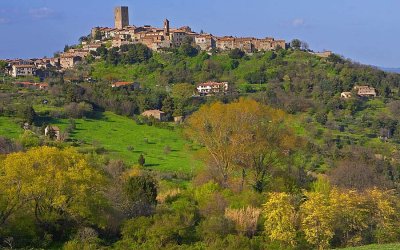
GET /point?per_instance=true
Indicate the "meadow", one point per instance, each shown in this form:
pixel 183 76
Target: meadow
pixel 376 247
pixel 122 138
pixel 9 128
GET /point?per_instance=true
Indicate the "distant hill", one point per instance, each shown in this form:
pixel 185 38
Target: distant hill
pixel 392 70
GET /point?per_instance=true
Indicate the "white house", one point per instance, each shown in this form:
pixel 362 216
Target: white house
pixel 212 88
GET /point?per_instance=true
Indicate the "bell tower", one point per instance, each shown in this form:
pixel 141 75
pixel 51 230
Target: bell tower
pixel 166 28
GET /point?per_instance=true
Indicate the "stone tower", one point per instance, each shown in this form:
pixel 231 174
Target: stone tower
pixel 166 28
pixel 121 17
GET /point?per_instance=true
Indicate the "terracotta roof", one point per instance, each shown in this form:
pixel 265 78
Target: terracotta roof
pixel 45 85
pixel 212 83
pixel 152 112
pixel 119 84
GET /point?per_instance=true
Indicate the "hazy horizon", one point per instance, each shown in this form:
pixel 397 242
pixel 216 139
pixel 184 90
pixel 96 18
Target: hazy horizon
pixel 360 30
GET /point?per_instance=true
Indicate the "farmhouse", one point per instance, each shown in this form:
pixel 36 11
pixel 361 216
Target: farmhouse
pixel 212 88
pixel 56 130
pixel 345 95
pixel 365 91
pixel 156 114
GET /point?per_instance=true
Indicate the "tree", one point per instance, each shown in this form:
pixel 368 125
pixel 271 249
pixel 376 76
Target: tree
pixel 141 191
pixel 27 113
pixel 141 160
pixel 113 56
pixel 98 35
pixel 242 134
pixel 66 48
pixel 182 91
pixel 295 44
pixel 3 65
pixel 181 94
pixel 54 187
pixel 384 214
pixel 83 39
pixel 187 49
pixel 135 53
pixel 394 107
pixel 168 106
pixel 351 216
pixel 256 77
pixel 305 46
pixel 236 54
pixel 281 219
pixel 317 217
pixel 102 51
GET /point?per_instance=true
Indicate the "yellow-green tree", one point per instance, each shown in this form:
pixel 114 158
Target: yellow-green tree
pixel 50 184
pixel 351 216
pixel 243 134
pixel 280 219
pixel 317 217
pixel 384 215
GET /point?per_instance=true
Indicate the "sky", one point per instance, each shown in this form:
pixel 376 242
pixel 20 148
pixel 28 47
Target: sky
pixel 362 30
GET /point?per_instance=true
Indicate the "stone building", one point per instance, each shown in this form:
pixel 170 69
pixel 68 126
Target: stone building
pixel 166 37
pixel 205 42
pixel 68 61
pixel 156 114
pixel 121 17
pixel 365 91
pixel 23 70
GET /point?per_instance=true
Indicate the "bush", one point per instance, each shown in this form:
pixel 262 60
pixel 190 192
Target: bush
pixel 78 110
pixel 236 54
pixel 27 113
pixel 141 160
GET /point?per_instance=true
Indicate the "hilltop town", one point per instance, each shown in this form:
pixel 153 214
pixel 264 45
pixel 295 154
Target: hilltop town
pixel 157 39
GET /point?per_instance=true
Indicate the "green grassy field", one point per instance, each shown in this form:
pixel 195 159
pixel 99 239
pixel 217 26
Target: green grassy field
pixel 9 128
pixel 376 247
pixel 117 133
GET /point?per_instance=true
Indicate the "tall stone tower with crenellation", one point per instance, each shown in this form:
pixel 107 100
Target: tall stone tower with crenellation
pixel 121 17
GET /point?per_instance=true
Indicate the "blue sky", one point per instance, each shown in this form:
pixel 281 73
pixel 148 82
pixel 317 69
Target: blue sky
pixel 363 30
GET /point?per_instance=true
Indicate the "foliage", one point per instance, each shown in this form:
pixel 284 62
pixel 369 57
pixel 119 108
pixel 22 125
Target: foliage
pixel 242 134
pixel 55 188
pixel 281 219
pixel 141 191
pixel 337 218
pixel 78 110
pixel 245 219
pixel 27 114
pixel 236 54
pixel 141 160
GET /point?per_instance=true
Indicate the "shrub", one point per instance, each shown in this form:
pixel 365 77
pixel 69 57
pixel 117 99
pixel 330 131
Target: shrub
pixel 245 219
pixel 141 160
pixel 236 54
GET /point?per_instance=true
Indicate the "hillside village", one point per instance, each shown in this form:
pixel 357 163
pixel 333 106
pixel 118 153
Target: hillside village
pixel 157 39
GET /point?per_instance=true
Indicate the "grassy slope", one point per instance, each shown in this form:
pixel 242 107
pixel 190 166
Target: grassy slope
pixel 116 133
pixel 8 128
pixel 376 247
